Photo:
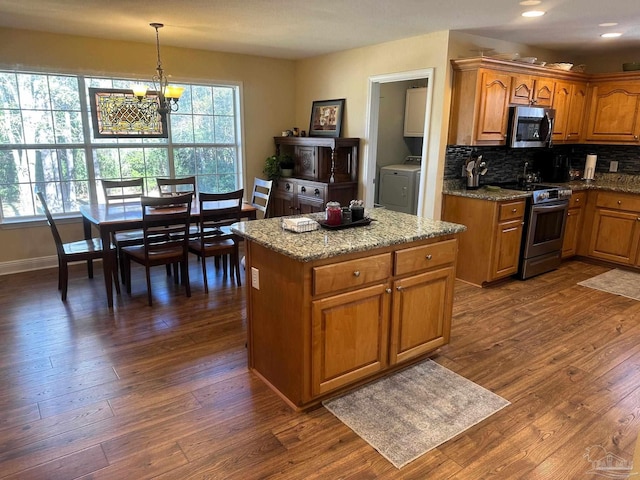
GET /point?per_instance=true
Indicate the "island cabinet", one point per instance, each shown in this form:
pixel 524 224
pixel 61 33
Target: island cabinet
pixel 319 327
pixel 490 248
pixel 573 227
pixel 615 231
pixel 614 112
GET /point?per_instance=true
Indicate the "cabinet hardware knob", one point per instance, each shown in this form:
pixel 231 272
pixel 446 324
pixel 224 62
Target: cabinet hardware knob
pixel 317 192
pixel 303 189
pixel 399 288
pixel 287 186
pixel 428 257
pixel 635 137
pixel 356 273
pixel 388 290
pixel 514 210
pixel 577 200
pixel 619 202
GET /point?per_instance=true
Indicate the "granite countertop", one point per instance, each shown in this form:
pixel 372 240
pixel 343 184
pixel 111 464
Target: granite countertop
pixel 605 181
pixel 387 228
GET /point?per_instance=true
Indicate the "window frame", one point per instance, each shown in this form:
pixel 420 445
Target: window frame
pixel 91 146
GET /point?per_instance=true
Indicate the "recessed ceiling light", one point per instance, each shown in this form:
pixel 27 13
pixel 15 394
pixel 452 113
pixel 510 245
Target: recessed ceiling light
pixel 608 24
pixel 529 3
pixel 533 13
pixel 611 35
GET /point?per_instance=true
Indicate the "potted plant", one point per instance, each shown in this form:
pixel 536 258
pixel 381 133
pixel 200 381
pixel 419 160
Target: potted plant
pixel 286 165
pixel 272 167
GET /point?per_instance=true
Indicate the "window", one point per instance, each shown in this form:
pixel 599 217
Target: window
pixel 47 143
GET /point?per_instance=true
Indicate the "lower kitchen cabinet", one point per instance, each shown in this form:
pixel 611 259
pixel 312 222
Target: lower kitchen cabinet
pixel 573 227
pixel 615 231
pixel 490 248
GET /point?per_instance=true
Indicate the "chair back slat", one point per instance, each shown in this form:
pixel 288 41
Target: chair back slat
pixel 52 224
pixel 165 222
pixel 219 210
pixel 176 186
pixel 122 190
pixel 261 194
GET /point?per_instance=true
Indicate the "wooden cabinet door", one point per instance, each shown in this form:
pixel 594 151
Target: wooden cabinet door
pixel 531 90
pixel 561 103
pixel 614 114
pixel 306 161
pixel 421 318
pixel 282 198
pixel 573 226
pixel 349 337
pixel 506 249
pixel 571 232
pixel 577 112
pixel 614 236
pixel 493 106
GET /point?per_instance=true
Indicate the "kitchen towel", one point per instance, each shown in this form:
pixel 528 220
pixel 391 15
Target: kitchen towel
pixel 590 167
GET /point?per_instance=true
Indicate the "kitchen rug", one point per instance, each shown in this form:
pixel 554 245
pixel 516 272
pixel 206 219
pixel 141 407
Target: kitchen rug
pixel 618 282
pixel 405 415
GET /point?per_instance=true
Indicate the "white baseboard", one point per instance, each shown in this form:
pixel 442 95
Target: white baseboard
pixel 28 264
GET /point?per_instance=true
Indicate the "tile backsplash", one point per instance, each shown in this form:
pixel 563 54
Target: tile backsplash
pixel 505 164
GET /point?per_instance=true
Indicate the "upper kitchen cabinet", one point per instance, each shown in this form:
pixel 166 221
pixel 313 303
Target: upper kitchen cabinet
pixel 531 90
pixel 484 88
pixel 414 112
pixel 480 107
pixel 569 102
pixel 614 111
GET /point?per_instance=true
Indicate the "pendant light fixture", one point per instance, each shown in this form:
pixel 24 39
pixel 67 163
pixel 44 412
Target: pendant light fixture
pixel 168 95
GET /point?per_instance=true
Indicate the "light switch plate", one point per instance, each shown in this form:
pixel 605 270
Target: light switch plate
pixel 613 166
pixel 255 278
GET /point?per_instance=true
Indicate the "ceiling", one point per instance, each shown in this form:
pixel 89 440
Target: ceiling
pixel 294 29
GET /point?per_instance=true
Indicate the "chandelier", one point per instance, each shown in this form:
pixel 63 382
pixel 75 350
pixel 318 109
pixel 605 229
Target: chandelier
pixel 168 95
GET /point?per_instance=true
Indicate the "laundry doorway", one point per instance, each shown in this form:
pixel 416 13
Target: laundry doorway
pixel 386 143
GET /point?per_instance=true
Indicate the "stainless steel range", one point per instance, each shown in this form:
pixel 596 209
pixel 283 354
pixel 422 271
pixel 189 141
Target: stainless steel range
pixel 543 231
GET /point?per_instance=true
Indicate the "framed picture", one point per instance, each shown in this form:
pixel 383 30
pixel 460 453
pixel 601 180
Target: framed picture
pixel 326 118
pixel 117 113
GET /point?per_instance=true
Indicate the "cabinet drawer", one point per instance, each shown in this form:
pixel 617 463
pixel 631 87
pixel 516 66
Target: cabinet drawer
pixel 427 256
pixel 619 201
pixel 578 199
pixel 311 189
pixel 286 186
pixel 351 274
pixel 511 210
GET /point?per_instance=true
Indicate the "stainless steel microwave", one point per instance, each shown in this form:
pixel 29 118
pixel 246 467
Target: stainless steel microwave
pixel 530 127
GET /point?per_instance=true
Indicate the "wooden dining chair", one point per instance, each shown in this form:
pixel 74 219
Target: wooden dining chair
pixel 261 194
pixel 217 212
pixel 176 186
pixel 165 225
pixel 81 250
pixel 119 192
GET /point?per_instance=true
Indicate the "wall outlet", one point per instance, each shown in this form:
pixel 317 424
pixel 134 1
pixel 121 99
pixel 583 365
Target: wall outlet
pixel 255 278
pixel 613 166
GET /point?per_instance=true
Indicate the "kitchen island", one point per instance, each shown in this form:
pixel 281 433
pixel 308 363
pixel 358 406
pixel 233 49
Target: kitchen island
pixel 331 309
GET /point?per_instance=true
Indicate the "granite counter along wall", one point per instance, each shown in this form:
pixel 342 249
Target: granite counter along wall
pixel 505 164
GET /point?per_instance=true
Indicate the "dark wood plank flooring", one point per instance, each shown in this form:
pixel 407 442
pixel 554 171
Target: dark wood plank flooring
pixel 164 392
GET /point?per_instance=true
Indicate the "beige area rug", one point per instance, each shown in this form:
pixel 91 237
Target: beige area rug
pixel 405 415
pixel 619 282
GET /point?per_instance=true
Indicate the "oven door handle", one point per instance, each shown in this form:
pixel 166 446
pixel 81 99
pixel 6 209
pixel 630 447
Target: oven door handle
pixel 551 208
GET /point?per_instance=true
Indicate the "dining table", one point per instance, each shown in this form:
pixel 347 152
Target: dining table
pixel 122 216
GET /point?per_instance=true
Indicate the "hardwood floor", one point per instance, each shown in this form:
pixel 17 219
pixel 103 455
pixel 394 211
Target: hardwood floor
pixel 164 391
